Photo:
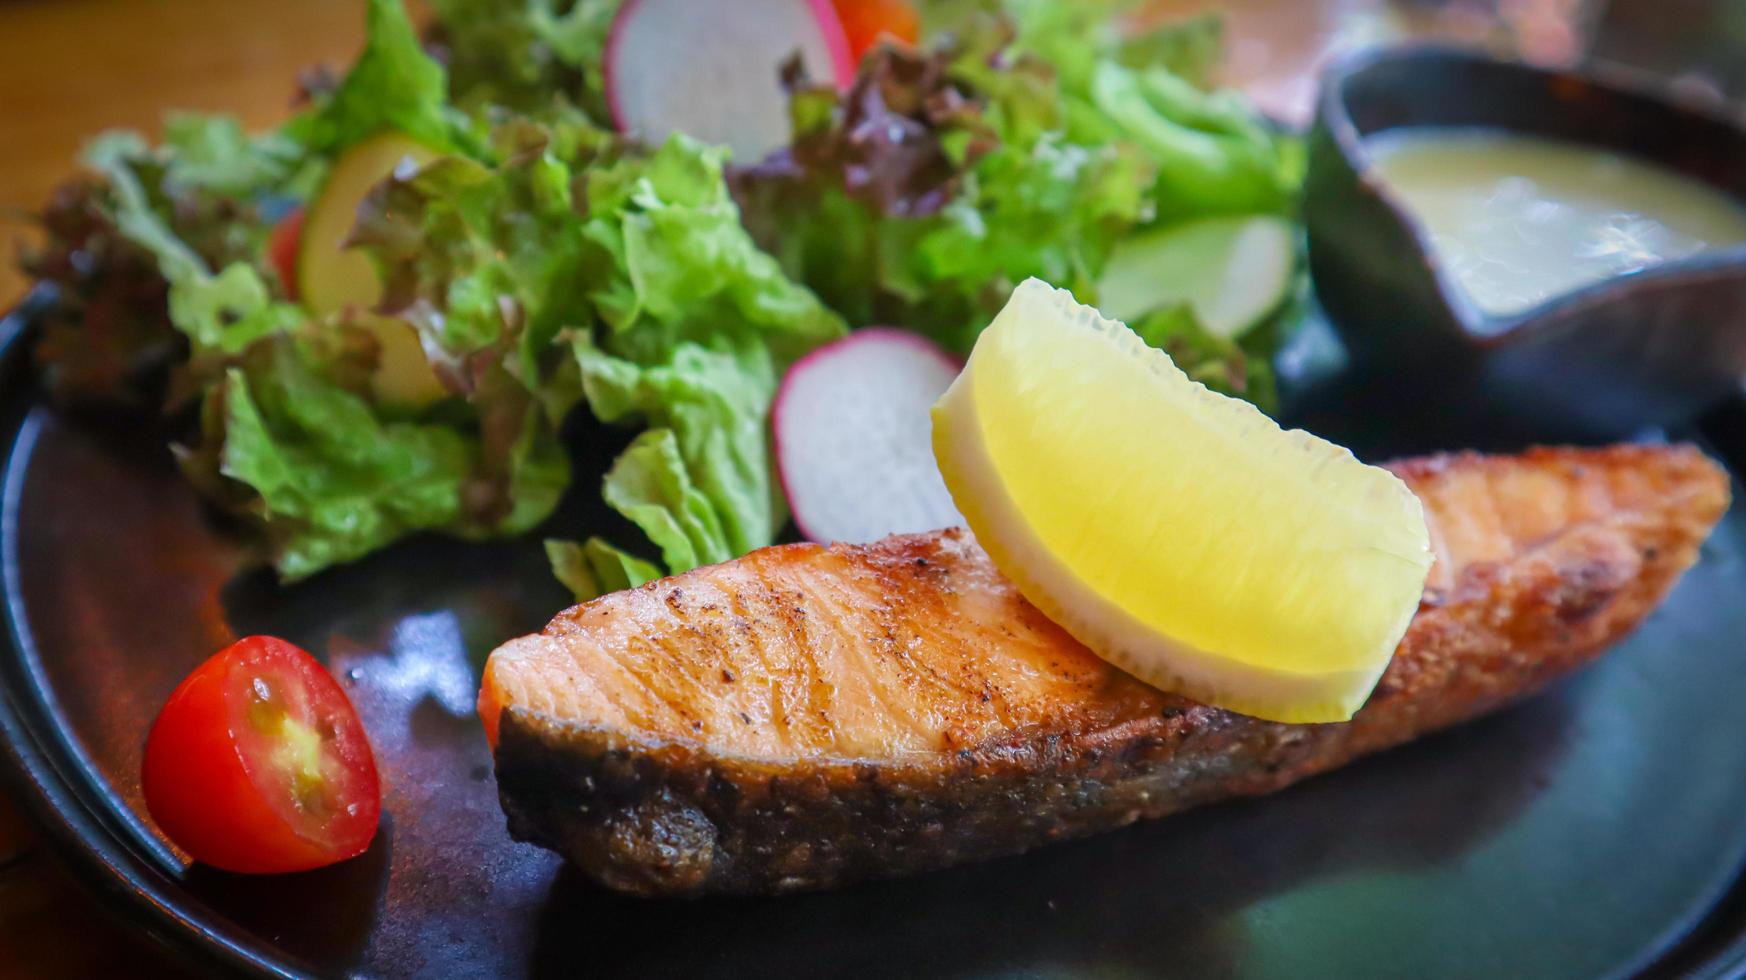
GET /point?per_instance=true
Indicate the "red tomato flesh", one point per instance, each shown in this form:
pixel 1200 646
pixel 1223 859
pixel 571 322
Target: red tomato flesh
pixel 258 763
pixel 282 250
pixel 868 22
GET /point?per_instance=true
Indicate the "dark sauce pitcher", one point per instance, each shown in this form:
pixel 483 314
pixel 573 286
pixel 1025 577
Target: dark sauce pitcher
pixel 1647 349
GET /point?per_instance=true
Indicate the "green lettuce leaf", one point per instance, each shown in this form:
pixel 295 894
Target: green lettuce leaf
pixel 594 568
pixel 1028 140
pixel 212 152
pixel 697 327
pixel 493 52
pixel 710 409
pixel 218 312
pixel 105 338
pixel 300 433
pixel 545 263
pixel 1073 38
pixel 672 318
pixel 219 295
pixel 577 39
pixel 145 232
pixel 330 481
pixel 1213 155
pixel 394 85
pixel 521 54
pixel 333 482
pixel 650 485
pixel 482 256
pixel 1052 211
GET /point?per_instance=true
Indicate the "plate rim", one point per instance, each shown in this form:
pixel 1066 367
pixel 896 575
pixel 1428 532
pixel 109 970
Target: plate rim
pixel 36 754
pixel 39 766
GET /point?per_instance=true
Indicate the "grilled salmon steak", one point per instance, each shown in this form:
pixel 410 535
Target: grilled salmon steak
pixel 807 716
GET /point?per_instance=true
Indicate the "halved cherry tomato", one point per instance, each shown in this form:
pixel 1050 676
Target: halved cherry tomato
pixel 282 250
pixel 258 763
pixel 867 22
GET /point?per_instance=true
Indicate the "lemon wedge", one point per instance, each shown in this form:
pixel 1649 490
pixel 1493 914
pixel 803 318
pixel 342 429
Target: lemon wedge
pixel 1180 534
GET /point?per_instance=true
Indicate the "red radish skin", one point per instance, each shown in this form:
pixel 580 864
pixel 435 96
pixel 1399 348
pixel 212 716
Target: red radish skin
pixel 853 437
pixel 751 129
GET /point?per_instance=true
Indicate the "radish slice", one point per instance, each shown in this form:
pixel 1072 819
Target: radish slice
pixel 710 68
pixel 854 443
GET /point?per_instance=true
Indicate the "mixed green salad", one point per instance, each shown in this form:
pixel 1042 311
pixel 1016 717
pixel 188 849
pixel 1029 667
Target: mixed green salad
pixel 533 275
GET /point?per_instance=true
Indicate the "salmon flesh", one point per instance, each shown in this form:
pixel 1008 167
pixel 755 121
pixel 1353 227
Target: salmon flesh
pixel 807 716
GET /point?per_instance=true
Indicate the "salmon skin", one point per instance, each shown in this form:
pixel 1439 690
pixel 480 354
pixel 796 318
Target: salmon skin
pixel 807 716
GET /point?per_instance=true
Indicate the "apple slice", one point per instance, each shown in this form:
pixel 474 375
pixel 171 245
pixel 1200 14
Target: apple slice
pixel 330 276
pixel 404 381
pixel 853 440
pixel 712 70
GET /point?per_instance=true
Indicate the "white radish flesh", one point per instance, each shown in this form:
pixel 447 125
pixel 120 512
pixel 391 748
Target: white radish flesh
pixel 854 445
pixel 711 68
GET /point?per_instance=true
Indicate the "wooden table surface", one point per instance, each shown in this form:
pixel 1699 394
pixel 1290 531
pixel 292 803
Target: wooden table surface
pixel 68 70
pixel 72 68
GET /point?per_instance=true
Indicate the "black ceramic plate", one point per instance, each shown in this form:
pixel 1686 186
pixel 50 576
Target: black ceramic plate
pixel 1596 831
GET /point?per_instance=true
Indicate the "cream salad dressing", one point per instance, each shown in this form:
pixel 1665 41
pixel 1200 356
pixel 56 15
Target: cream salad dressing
pixel 1518 219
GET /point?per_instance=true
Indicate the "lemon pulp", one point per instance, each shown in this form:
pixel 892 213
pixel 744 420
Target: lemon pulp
pixel 1180 534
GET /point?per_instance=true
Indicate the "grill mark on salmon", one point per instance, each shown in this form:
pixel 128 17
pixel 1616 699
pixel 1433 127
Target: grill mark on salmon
pixel 807 716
